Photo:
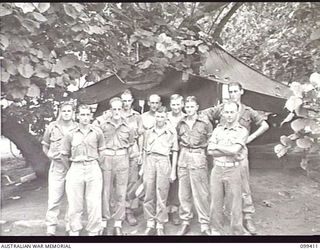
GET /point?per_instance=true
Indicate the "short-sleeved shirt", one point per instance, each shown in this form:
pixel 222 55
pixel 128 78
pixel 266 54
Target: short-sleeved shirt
pixel 148 120
pixel 237 134
pixel 247 115
pixel 197 136
pixel 117 136
pixel 83 145
pixel 134 121
pixel 162 143
pixel 52 138
pixel 174 120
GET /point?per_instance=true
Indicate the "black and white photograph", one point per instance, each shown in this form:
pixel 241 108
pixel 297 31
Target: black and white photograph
pixel 160 119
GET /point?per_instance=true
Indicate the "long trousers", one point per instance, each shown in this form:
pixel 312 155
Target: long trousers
pixel 225 186
pixel 247 203
pixel 157 169
pixel 84 185
pixel 132 204
pixel 115 182
pixel 56 190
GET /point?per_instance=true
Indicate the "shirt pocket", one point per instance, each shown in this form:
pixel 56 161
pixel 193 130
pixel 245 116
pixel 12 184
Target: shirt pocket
pixel 77 147
pixel 92 149
pixel 124 135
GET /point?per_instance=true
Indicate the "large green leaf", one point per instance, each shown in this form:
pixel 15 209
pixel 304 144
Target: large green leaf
pixel 4 42
pixel 5 10
pixel 293 103
pixel 71 10
pixel 33 91
pixel 26 70
pixel 26 7
pixel 304 143
pixel 42 7
pixel 299 124
pixel 280 150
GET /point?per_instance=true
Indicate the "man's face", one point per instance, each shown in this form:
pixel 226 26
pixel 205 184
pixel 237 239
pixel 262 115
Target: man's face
pixel 160 118
pixel 116 109
pixel 235 93
pixel 127 101
pixel 230 112
pixel 84 116
pixel 191 108
pixel 66 113
pixel 176 106
pixel 154 103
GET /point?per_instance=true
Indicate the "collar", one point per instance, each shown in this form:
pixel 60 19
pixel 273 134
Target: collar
pixel 166 129
pixel 90 126
pixel 131 113
pixel 123 122
pixel 73 126
pixel 199 118
pixel 234 127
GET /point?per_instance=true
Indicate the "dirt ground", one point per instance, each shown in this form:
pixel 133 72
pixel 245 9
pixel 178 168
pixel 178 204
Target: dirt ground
pixel 286 201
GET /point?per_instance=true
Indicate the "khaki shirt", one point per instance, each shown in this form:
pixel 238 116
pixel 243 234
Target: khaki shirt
pixel 198 136
pixel 83 145
pixel 148 120
pixel 162 143
pixel 134 121
pixel 247 115
pixel 52 138
pixel 223 135
pixel 117 136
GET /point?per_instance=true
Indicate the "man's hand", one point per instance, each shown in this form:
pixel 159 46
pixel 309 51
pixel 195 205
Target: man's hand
pixel 173 177
pixel 141 171
pixel 140 159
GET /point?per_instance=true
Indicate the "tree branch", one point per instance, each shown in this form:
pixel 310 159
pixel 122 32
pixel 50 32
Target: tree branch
pixel 225 19
pixel 213 23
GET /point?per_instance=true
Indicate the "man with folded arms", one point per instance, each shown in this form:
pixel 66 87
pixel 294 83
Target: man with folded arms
pixel 227 146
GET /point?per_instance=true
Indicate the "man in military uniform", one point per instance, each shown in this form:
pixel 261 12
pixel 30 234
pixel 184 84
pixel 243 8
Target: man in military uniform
pixel 174 116
pixel 84 145
pixel 247 116
pixel 148 118
pixel 227 145
pixel 135 122
pixel 119 137
pixel 51 145
pixel 193 134
pixel 159 142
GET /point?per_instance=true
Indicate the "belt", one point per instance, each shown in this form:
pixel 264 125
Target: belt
pixel 111 152
pixel 155 153
pixel 85 162
pixel 194 150
pixel 226 164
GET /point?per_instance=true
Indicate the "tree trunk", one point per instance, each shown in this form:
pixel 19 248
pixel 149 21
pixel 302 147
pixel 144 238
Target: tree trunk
pixel 29 146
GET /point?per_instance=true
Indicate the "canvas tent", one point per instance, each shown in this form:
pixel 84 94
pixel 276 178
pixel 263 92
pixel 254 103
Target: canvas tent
pixel 261 93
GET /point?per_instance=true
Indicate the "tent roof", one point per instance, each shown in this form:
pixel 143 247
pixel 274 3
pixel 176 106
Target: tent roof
pixel 223 65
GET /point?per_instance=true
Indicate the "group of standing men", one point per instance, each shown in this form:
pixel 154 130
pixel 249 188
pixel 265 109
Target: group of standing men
pixel 98 164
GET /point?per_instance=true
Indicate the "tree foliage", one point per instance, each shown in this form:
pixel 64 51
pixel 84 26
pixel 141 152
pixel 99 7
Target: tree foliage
pixel 281 40
pixel 304 106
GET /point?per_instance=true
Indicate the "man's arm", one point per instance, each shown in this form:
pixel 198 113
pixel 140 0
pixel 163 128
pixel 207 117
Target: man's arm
pixel 46 140
pixel 173 175
pixel 65 151
pixel 212 113
pixel 264 126
pixel 224 150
